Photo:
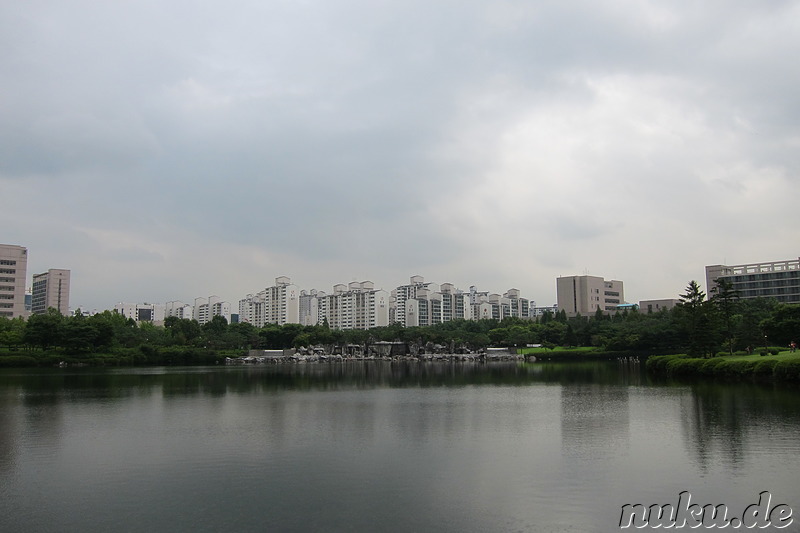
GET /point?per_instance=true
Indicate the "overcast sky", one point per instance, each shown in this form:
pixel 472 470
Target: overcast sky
pixel 165 150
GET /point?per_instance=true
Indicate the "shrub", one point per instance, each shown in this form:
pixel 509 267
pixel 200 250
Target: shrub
pixel 17 361
pixel 657 364
pixel 787 370
pixel 683 367
pixel 712 367
pixel 736 369
pixel 765 368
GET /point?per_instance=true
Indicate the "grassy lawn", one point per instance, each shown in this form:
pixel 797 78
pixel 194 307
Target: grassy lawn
pixel 782 356
pixel 557 349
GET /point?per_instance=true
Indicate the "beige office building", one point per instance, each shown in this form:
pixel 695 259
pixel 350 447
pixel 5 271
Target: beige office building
pixel 13 274
pixel 51 289
pixel 584 295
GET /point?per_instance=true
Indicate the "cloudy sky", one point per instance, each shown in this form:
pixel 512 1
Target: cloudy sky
pixel 164 150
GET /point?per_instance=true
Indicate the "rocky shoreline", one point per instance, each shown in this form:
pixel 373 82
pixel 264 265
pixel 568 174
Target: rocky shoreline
pixel 262 357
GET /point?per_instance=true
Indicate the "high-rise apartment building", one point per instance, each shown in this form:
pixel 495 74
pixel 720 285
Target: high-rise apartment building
pixel 178 309
pixel 279 304
pixel 407 292
pixel 312 307
pixel 51 289
pixel 207 308
pixel 423 304
pixel 358 305
pixel 13 274
pixel 775 279
pixel 584 295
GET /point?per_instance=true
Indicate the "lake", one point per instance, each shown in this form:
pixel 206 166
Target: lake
pixel 382 446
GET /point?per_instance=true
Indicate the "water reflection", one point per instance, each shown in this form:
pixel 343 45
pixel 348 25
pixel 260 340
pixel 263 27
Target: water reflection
pixel 594 421
pixel 47 386
pixel 378 445
pixel 720 420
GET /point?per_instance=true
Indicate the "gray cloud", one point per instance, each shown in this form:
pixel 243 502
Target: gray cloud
pixel 494 143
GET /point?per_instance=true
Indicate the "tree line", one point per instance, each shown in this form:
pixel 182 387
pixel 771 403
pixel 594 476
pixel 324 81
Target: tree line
pixel 698 325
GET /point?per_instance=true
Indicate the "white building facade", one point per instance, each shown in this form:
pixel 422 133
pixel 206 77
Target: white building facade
pixel 424 304
pixel 207 308
pixel 143 312
pixel 179 309
pixel 357 305
pixel 279 304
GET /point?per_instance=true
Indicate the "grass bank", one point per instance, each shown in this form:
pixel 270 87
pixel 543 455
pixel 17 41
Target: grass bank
pixel 582 353
pixel 141 356
pixel 780 366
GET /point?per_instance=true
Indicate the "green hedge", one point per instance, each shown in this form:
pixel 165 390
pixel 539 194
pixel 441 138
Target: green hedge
pixel 682 366
pixel 787 370
pixel 17 361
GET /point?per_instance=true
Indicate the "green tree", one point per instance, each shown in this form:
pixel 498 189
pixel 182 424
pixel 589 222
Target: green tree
pixel 783 326
pixel 78 334
pixel 44 330
pixel 214 332
pixel 12 332
pixel 724 296
pixel 698 320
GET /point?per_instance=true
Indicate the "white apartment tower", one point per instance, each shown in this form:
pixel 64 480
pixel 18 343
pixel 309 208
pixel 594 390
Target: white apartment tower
pixel 406 292
pixel 51 289
pixel 357 305
pixel 178 309
pixel 584 295
pixel 312 306
pixel 279 304
pixel 207 308
pixel 13 274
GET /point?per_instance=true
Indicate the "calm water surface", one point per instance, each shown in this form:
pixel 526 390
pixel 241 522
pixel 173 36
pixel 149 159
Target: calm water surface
pixel 381 447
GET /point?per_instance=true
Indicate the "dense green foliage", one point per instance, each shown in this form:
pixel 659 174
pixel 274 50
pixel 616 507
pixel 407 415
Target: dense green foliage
pixel 699 327
pixel 771 365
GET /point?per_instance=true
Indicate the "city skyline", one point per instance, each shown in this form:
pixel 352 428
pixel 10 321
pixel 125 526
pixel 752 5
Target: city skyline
pixel 490 144
pixel 166 299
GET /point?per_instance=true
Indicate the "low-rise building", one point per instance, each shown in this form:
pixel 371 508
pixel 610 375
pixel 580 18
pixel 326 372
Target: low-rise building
pixel 773 279
pixel 144 312
pixel 654 306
